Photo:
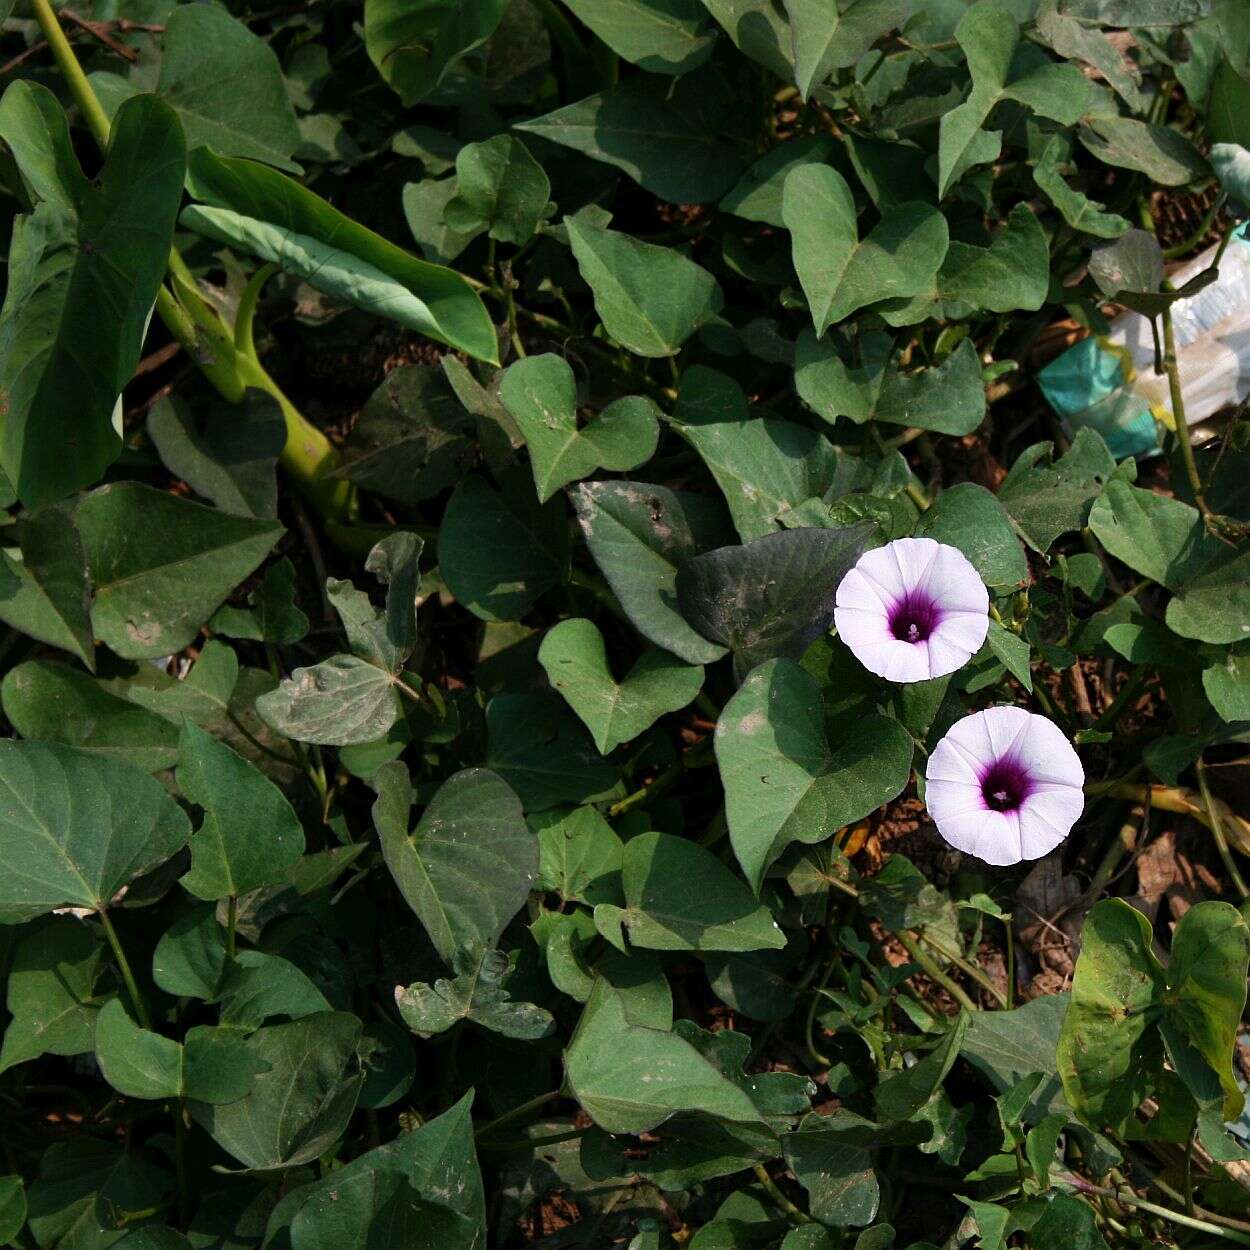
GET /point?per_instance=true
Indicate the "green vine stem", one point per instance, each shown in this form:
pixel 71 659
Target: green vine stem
pixel 1183 440
pixel 123 966
pixel 1152 1208
pixel 795 1214
pixel 308 455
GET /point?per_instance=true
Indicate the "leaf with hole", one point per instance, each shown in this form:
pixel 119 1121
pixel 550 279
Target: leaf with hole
pixel 478 994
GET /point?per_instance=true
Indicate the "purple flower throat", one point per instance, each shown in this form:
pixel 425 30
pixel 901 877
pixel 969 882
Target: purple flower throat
pixel 914 617
pixel 1005 785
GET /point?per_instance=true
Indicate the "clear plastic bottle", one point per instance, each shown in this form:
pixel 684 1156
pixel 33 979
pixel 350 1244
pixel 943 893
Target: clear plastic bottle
pixel 1108 381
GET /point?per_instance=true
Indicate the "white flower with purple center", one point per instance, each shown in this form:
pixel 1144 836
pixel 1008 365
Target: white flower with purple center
pixel 1004 785
pixel 912 610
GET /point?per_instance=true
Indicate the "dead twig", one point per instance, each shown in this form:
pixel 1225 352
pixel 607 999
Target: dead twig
pixel 99 32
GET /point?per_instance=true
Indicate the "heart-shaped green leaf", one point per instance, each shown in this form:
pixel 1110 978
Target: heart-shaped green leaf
pixel 56 703
pixel 309 1077
pixel 160 565
pixel 660 36
pixel 501 189
pixel 75 828
pixel 948 398
pixel 250 833
pixel 650 299
pixel 498 552
pixel 413 46
pixel 541 394
pixel 224 82
pixel 764 467
pixel 680 897
pixel 990 37
pixel 424 1186
pixel 771 597
pixel 576 660
pixel 841 272
pixel 54 994
pixel 833 36
pixel 212 1065
pixel 639 535
pixel 783 780
pixel 629 1079
pixel 468 865
pixel 682 139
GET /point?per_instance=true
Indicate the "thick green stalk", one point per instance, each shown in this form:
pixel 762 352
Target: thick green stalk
pixel 308 455
pixel 86 99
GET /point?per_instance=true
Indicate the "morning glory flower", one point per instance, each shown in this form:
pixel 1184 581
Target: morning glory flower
pixel 1004 785
pixel 912 610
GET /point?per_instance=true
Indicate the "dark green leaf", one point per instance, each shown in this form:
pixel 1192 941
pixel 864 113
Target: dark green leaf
pixel 540 392
pixel 764 467
pixel 161 565
pixel 250 833
pixel 1048 502
pixel 309 1078
pixel 840 272
pixel 56 564
pixel 1108 1049
pixel 1214 605
pixel 53 992
pixel 414 46
pixel 948 398
pixel 771 597
pixel 543 753
pixel 630 1079
pixel 84 269
pixel 498 553
pixel 967 516
pixel 1164 155
pixel 226 452
pixel 413 438
pixel 660 36
pixel 501 189
pixel 680 140
pixel 75 828
pixel 225 84
pixel 1078 210
pixel 639 534
pixel 827 37
pixel 424 1189
pixel 213 1065
pixel 56 703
